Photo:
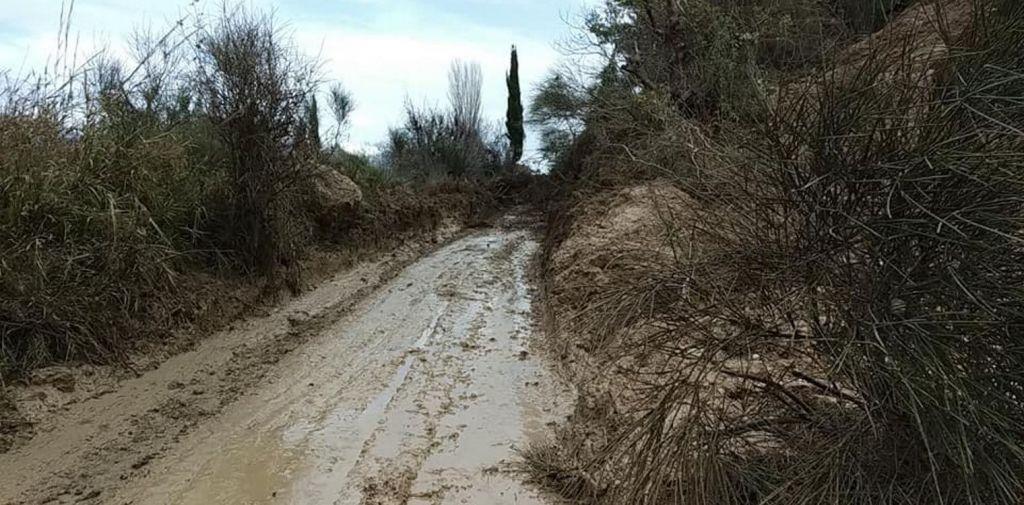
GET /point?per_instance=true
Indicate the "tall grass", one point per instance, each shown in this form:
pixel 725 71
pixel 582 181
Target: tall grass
pixel 116 177
pixel 90 229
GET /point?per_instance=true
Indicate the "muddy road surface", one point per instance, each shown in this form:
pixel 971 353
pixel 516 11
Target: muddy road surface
pixel 417 390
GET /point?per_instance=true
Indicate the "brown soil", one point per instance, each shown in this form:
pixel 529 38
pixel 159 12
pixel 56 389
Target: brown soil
pixel 922 30
pixel 611 239
pixel 599 318
pixel 611 236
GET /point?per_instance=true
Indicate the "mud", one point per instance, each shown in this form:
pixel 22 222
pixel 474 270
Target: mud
pixel 419 391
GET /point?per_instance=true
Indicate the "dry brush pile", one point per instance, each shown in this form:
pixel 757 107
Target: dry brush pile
pixel 829 303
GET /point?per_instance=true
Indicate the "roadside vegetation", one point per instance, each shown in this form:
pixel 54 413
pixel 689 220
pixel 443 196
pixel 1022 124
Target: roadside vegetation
pixel 785 264
pixel 138 197
pixel 435 143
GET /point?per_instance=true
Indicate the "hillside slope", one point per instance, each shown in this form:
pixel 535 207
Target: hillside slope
pixel 790 306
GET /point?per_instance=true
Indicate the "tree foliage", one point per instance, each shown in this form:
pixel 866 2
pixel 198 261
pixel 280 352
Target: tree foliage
pixel 514 116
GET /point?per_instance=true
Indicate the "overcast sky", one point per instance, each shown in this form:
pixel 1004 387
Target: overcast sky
pixel 382 50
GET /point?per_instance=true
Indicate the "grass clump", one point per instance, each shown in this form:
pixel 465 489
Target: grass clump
pixel 93 229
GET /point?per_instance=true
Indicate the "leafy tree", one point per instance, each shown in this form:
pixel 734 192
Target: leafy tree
pixel 312 123
pixel 514 121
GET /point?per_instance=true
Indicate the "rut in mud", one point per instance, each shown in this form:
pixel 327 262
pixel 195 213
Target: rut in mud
pixel 420 393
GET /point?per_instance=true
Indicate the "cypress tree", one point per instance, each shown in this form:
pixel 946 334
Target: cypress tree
pixel 312 123
pixel 514 117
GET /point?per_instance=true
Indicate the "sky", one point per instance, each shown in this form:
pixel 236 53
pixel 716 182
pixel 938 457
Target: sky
pixel 382 51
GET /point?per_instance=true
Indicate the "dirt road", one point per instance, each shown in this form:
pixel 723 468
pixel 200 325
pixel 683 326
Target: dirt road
pixel 416 392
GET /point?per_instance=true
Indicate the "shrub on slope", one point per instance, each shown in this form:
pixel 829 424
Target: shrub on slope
pixel 838 322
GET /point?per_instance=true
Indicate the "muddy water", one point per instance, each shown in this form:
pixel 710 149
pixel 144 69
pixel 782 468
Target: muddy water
pixel 421 395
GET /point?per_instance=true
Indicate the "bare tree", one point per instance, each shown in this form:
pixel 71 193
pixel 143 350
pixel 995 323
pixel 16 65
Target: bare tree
pixel 465 84
pixel 342 105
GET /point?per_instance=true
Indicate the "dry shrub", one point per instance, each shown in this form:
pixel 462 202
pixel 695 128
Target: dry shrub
pixel 866 16
pixel 630 139
pixel 434 144
pixel 254 86
pixel 839 319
